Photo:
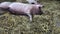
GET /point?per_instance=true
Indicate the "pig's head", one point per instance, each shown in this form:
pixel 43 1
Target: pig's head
pixel 39 7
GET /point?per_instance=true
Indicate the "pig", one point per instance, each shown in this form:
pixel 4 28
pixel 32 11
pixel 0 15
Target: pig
pixel 25 9
pixel 4 5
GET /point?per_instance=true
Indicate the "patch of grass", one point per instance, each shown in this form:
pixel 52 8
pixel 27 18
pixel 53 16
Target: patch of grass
pixel 42 24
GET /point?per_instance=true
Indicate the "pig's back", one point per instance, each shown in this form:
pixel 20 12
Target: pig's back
pixel 19 6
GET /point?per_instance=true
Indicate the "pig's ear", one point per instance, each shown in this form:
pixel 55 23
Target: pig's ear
pixel 41 5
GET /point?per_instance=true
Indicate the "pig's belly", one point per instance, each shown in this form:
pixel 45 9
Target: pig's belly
pixel 13 11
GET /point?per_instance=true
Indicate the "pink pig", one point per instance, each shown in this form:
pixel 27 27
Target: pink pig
pixel 25 9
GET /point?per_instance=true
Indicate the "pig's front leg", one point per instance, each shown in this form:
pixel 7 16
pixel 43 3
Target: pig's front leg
pixel 30 17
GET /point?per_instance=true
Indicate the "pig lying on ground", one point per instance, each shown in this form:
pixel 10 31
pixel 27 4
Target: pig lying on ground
pixel 26 9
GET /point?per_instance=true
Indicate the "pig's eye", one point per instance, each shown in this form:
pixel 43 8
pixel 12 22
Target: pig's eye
pixel 39 7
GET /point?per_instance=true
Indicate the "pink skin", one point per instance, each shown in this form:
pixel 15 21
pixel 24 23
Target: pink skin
pixel 4 5
pixel 28 9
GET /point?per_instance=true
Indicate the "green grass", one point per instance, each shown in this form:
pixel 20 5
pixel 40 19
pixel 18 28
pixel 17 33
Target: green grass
pixel 42 24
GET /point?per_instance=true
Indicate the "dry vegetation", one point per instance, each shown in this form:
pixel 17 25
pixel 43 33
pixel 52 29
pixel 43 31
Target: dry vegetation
pixel 42 24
